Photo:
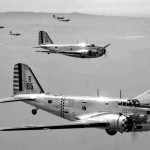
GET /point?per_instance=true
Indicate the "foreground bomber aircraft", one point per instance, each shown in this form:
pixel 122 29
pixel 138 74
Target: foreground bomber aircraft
pixel 113 115
pixel 81 50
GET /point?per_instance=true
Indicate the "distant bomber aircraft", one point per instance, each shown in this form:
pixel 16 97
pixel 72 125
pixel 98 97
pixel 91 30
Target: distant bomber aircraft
pixel 81 50
pixel 110 114
pixel 15 34
pixel 61 18
pixel 1 27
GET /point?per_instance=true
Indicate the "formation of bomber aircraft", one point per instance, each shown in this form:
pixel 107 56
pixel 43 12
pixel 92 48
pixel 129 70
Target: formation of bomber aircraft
pixel 10 33
pixel 80 50
pixel 112 115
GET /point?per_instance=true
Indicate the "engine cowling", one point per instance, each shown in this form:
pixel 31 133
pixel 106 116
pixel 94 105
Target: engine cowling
pixel 92 53
pixel 124 123
pixel 118 122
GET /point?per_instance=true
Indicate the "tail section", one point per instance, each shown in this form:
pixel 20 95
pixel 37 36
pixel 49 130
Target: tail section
pixel 24 81
pixel 144 98
pixel 44 38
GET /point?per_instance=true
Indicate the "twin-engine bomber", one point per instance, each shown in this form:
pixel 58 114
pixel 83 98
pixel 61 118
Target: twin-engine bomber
pixel 80 50
pixel 113 115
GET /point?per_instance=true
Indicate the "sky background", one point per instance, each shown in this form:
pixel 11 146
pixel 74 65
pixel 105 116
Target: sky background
pixel 101 7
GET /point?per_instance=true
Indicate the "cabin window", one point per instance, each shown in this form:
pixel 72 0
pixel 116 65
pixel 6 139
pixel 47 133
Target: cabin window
pixel 55 46
pixel 124 104
pixel 148 112
pixel 129 103
pixel 120 103
pixel 49 101
pixel 106 103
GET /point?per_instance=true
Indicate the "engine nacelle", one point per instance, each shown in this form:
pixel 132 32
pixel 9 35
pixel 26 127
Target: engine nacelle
pixel 92 53
pixel 117 122
pixel 120 123
pixel 123 123
pixel 139 118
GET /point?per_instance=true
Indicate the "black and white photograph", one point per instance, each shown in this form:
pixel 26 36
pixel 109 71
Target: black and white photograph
pixel 74 75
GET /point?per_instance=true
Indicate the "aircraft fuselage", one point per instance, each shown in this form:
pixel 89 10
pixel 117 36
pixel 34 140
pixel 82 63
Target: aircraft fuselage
pixel 72 107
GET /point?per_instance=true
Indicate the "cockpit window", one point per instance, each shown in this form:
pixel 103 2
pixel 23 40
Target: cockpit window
pixel 133 102
pixel 91 45
pixel 130 102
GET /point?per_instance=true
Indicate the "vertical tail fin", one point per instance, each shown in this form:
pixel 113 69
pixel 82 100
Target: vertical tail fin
pixel 144 98
pixel 24 81
pixel 44 38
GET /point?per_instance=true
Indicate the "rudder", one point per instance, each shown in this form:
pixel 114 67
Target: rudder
pixel 44 38
pixel 24 81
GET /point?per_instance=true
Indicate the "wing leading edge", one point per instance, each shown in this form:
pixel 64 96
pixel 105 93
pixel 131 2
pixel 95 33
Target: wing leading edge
pixel 74 125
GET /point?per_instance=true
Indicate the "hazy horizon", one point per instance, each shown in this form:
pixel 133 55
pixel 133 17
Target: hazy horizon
pixel 80 13
pixel 135 8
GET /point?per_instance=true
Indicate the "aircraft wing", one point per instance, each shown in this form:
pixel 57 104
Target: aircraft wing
pixel 44 51
pixel 70 52
pixel 85 121
pixel 74 125
pixel 77 52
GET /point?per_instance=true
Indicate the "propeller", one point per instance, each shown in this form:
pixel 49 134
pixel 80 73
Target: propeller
pixel 103 49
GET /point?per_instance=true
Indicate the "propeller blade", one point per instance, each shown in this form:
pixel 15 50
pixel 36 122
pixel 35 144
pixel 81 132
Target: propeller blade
pixel 105 46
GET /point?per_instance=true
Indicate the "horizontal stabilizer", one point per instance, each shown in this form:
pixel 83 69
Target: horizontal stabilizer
pixel 37 47
pixel 43 51
pixel 12 99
